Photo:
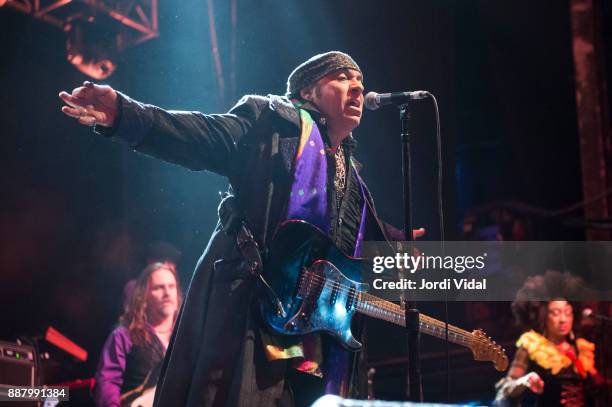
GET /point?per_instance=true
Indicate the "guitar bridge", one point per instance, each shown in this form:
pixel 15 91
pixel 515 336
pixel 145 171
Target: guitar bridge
pixel 308 289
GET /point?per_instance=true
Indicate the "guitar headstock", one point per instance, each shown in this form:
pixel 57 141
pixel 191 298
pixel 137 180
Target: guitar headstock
pixel 485 349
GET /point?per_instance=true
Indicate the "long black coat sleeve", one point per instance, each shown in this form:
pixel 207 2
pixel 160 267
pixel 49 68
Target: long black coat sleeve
pixel 190 139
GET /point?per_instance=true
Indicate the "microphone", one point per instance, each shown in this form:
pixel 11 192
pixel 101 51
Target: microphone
pixel 375 100
pixel 588 313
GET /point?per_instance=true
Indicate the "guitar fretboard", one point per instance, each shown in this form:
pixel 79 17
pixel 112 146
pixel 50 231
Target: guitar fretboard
pixel 388 311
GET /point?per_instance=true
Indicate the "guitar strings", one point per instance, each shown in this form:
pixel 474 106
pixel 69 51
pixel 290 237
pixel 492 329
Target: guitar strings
pixel 397 313
pixel 380 302
pixel 469 337
pixel 465 336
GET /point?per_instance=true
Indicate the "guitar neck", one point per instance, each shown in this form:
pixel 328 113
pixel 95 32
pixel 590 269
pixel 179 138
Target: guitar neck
pixel 388 311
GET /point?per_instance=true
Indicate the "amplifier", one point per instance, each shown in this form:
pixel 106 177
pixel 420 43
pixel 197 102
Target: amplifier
pixel 17 368
pixel 17 364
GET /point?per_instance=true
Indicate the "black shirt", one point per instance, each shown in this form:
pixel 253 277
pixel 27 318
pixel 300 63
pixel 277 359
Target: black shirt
pixel 345 219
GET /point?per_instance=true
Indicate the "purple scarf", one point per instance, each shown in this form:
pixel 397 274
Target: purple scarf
pixel 308 201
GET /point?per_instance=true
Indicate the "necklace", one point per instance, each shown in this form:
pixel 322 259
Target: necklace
pixel 340 176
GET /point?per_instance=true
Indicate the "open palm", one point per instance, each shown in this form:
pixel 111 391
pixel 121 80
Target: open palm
pixel 91 104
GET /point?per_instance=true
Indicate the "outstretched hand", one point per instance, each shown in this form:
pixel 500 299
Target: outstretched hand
pixel 91 104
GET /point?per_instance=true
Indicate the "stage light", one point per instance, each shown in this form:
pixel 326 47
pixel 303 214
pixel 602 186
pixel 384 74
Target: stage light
pixel 91 49
pixel 98 30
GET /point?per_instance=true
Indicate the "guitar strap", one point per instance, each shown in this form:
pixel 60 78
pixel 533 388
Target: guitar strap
pixel 149 382
pixel 233 223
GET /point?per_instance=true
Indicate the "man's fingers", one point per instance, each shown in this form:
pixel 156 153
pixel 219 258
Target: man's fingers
pixel 79 95
pixel 91 89
pixel 71 100
pixel 87 116
pixel 74 112
pixel 91 104
pixel 83 92
pixel 99 116
pixel 88 120
pixel 87 91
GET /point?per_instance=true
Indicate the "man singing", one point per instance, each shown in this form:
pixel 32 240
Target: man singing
pixel 286 157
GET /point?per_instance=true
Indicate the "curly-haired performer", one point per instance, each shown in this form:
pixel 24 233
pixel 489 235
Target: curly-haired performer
pixel 552 367
pixel 134 350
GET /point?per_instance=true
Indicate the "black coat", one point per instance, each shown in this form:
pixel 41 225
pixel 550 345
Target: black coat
pixel 214 357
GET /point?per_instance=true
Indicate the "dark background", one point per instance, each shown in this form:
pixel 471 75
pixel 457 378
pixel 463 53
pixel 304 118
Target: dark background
pixel 77 212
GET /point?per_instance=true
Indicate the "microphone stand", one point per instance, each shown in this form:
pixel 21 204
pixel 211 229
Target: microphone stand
pixel 411 313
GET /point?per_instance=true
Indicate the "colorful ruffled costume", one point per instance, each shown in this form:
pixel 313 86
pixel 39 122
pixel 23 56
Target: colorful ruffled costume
pixel 567 376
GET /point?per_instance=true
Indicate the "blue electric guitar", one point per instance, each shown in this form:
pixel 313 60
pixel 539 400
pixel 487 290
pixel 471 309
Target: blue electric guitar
pixel 314 287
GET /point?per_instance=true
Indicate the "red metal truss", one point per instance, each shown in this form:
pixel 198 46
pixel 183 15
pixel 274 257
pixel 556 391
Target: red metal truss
pixel 136 19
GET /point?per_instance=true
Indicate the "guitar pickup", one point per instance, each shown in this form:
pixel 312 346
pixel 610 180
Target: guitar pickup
pixel 302 284
pixel 334 292
pixel 350 300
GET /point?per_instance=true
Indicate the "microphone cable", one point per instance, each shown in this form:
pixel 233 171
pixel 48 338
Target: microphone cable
pixel 440 200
